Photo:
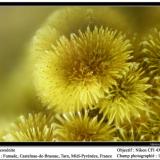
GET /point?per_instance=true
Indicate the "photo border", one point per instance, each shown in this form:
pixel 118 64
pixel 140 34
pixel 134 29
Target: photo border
pixel 113 4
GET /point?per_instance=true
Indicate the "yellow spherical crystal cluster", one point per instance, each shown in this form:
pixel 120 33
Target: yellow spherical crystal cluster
pixel 151 51
pixel 80 127
pixel 79 70
pixel 152 129
pixel 127 98
pixel 34 127
pixel 133 131
pixel 96 82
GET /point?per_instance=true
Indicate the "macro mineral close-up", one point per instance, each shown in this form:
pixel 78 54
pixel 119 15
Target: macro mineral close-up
pixel 70 73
